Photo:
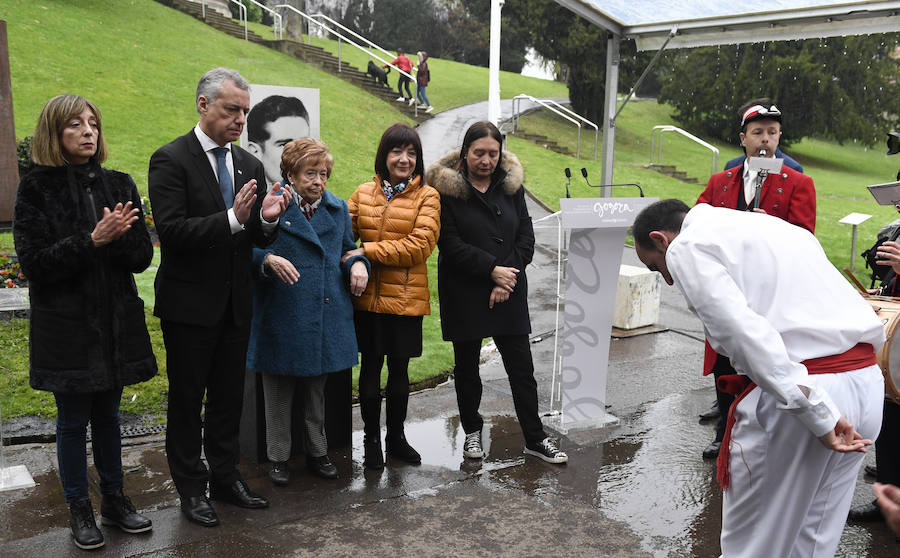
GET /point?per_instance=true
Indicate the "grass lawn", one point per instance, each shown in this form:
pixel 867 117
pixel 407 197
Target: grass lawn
pixel 840 172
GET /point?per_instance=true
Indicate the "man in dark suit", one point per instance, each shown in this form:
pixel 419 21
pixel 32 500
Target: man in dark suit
pixel 206 233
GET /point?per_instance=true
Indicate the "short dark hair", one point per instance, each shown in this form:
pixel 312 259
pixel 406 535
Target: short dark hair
pixel 476 132
pixel 664 215
pixel 398 135
pixel 271 109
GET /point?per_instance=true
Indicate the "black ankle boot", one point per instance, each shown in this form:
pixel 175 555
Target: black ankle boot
pixel 84 527
pixel 117 510
pixel 373 457
pixel 398 447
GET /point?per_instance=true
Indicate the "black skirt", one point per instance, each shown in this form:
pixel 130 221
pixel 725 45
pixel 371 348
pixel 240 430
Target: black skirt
pixel 388 334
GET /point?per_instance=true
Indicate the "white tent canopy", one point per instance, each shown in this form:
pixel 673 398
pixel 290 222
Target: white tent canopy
pixel 715 22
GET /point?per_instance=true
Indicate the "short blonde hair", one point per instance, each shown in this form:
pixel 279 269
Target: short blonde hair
pixel 304 152
pixel 45 147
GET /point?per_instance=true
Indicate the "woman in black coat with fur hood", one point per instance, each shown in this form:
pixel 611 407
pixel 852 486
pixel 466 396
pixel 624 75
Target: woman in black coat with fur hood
pixel 80 236
pixel 486 241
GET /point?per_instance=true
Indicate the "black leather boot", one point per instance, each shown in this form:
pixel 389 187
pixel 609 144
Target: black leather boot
pixel 117 510
pixel 399 448
pixel 370 410
pixel 373 458
pixel 84 527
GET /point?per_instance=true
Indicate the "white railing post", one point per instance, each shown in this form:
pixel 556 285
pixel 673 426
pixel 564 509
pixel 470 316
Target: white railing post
pixel 276 19
pixel 547 106
pixel 345 39
pixel 669 128
pixel 583 119
pixel 243 12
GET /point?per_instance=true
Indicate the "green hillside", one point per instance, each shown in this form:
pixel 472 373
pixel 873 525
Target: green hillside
pixel 139 61
pixel 840 172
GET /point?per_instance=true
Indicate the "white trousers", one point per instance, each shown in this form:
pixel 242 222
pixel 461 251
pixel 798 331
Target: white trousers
pixel 789 495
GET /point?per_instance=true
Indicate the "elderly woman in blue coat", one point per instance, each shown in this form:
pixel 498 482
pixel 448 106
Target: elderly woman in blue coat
pixel 302 326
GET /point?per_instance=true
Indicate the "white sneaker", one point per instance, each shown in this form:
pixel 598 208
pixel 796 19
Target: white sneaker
pixel 472 446
pixel 421 107
pixel 400 99
pixel 548 451
pixel 429 109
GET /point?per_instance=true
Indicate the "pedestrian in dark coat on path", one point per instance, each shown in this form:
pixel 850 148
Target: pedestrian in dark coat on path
pixel 485 243
pixel 80 235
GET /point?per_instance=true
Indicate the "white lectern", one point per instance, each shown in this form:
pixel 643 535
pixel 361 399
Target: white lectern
pixel 597 229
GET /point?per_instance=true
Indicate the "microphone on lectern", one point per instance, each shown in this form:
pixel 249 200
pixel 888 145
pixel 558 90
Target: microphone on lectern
pixel 568 180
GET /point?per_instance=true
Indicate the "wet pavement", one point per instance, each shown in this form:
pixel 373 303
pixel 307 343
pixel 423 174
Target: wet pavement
pixel 637 488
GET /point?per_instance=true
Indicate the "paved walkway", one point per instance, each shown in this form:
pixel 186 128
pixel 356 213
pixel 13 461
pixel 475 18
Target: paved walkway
pixel 638 488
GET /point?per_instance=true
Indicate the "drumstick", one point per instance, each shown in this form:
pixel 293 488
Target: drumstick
pixel 855 281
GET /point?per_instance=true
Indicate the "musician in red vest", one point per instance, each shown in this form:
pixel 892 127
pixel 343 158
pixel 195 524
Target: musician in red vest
pixel 787 194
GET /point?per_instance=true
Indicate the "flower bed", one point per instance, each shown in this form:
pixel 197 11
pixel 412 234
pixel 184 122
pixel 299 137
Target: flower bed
pixel 11 276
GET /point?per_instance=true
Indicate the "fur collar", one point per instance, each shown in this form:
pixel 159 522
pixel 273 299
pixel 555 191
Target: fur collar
pixel 444 177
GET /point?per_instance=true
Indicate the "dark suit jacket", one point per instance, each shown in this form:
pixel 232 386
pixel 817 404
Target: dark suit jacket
pixel 203 264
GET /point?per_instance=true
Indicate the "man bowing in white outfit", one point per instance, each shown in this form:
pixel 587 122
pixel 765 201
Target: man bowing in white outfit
pixel 803 342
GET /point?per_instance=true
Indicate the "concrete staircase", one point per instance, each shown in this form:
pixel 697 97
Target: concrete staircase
pixel 544 142
pixel 213 18
pixel 310 54
pixel 670 170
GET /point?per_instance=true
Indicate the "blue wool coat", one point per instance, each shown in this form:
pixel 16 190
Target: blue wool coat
pixel 306 329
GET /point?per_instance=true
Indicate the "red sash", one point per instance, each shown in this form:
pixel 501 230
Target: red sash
pixel 859 356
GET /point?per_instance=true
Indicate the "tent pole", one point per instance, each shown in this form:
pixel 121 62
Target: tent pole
pixel 609 111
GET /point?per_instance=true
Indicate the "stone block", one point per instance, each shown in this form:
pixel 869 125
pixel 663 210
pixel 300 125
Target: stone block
pixel 637 298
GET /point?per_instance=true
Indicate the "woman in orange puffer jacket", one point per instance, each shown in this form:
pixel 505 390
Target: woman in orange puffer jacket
pixel 397 219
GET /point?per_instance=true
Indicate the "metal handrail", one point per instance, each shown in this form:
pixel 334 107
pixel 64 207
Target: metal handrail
pixel 335 33
pixel 277 27
pixel 243 13
pixel 351 31
pixel 669 128
pixel 517 100
pixel 583 119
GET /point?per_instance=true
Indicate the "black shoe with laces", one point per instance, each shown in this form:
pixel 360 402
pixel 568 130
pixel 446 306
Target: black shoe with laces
pixel 280 474
pixel 117 510
pixel 866 512
pixel 548 450
pixel 84 528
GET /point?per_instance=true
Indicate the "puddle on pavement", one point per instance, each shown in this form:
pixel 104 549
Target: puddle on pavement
pixel 440 442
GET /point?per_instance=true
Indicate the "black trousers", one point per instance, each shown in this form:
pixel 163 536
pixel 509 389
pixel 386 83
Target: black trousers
pixel 396 392
pixel 887 446
pixel 202 361
pixel 516 353
pixel 403 82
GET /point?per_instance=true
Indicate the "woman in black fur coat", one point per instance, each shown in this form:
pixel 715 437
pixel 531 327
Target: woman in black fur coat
pixel 80 235
pixel 486 242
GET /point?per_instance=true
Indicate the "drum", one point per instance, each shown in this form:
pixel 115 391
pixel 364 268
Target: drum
pixel 889 354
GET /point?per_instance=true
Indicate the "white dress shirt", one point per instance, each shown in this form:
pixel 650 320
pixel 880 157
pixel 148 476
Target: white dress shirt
pixel 208 146
pixel 750 182
pixel 769 299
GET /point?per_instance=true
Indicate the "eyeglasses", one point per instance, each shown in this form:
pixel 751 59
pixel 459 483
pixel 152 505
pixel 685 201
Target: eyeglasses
pixel 759 111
